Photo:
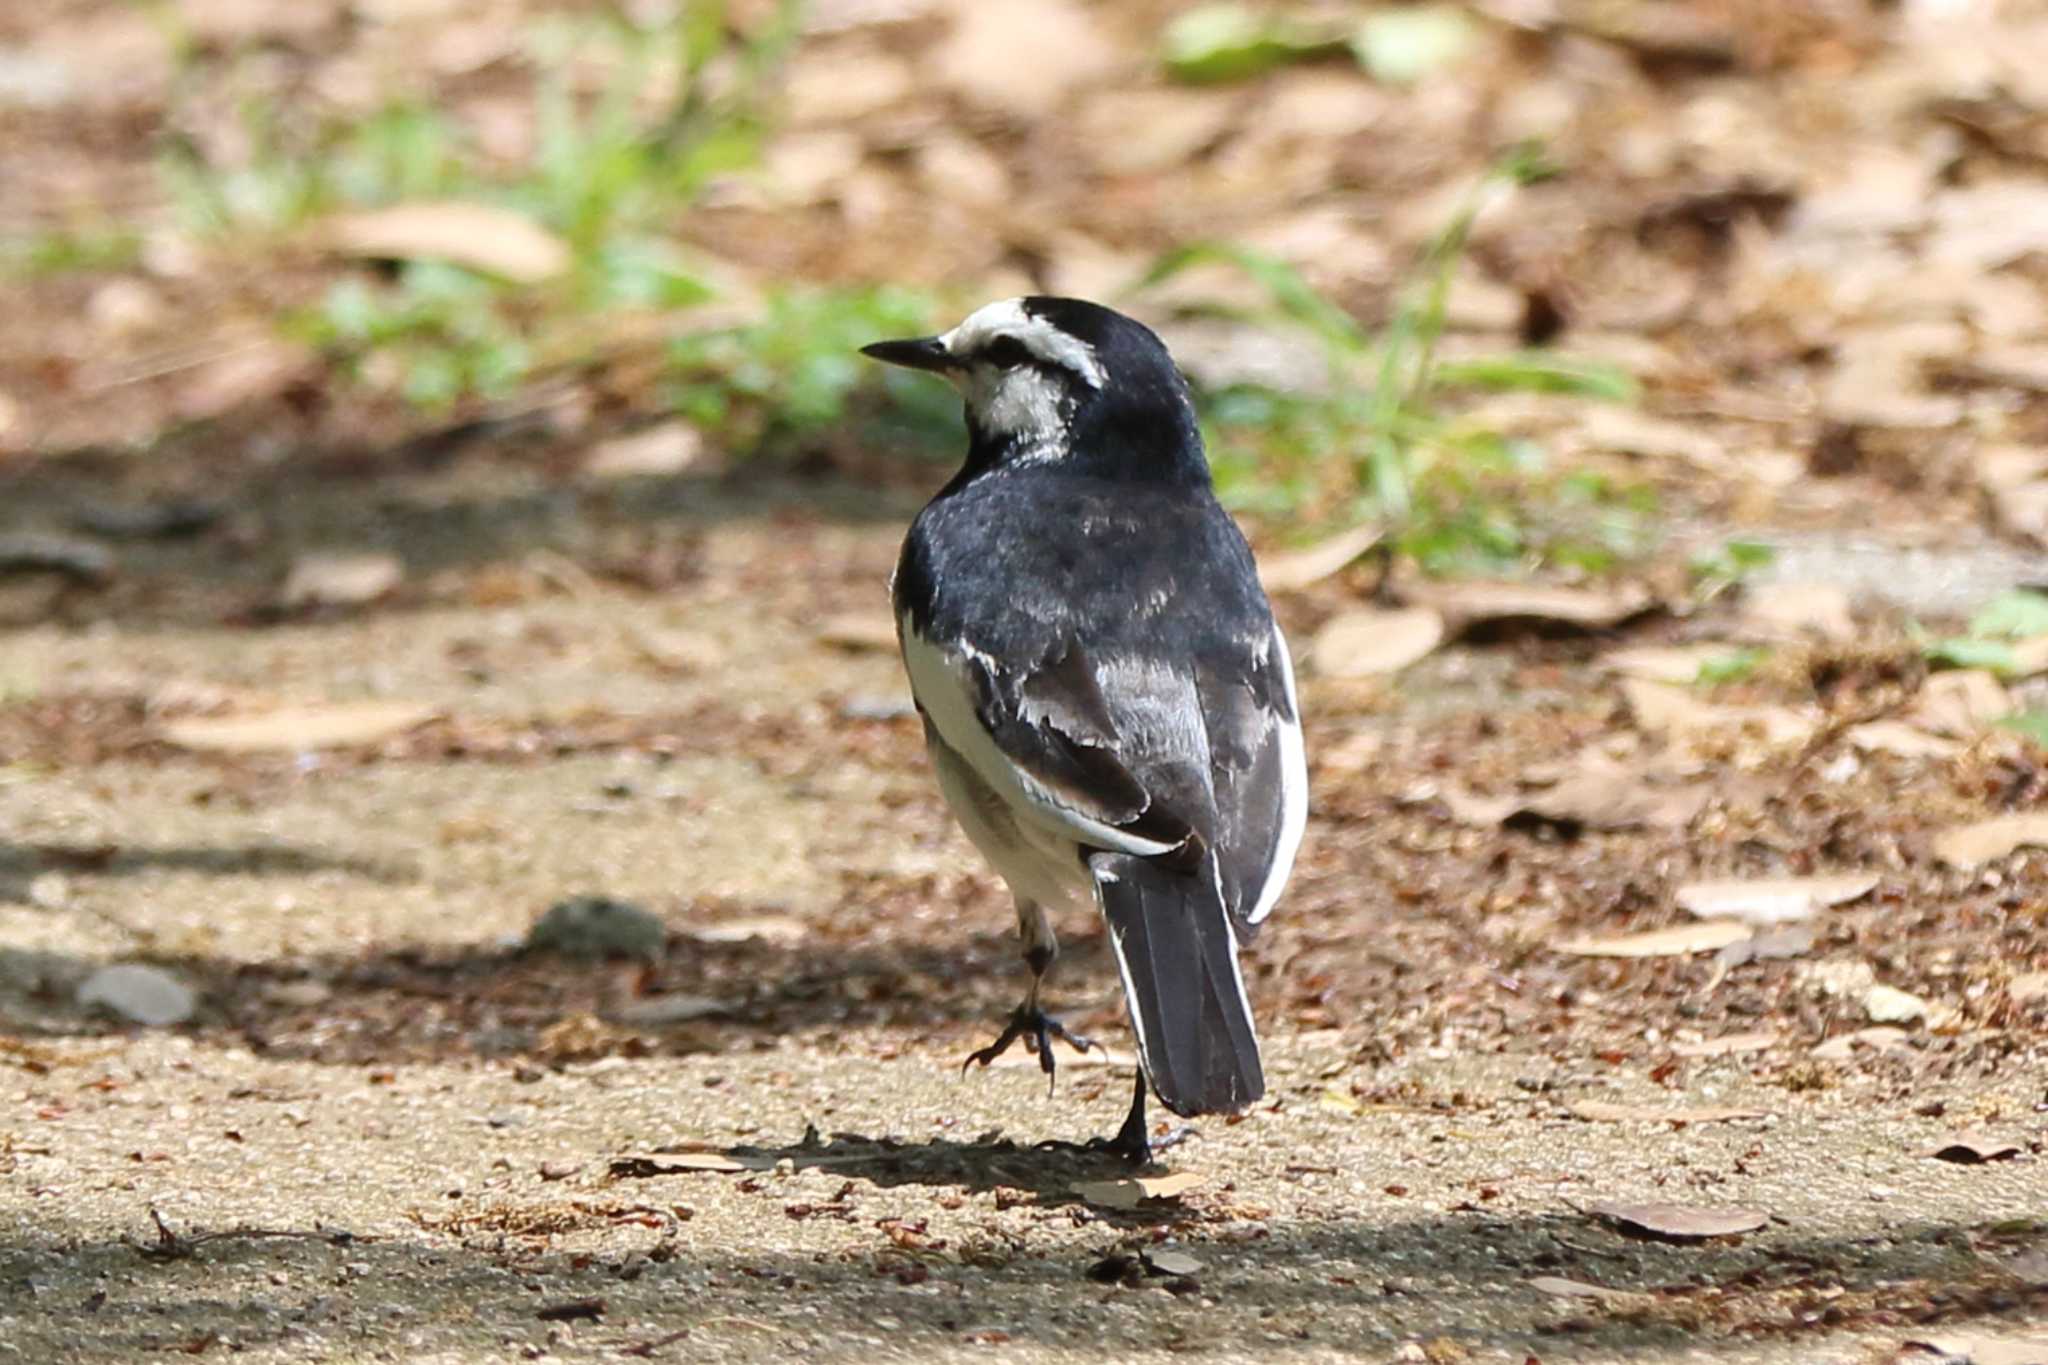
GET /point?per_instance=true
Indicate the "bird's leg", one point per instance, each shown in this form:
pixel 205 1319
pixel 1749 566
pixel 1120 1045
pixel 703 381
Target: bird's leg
pixel 1029 1021
pixel 1133 1142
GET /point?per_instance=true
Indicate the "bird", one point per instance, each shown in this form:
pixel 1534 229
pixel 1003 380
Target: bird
pixel 1108 703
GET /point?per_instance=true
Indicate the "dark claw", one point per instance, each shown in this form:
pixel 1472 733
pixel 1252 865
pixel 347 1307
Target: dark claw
pixel 1037 1029
pixel 1132 1143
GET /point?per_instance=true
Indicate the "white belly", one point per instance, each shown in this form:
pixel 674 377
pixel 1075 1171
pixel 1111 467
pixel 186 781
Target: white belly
pixel 1039 866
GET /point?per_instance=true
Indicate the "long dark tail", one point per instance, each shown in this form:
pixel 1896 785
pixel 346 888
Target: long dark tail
pixel 1179 961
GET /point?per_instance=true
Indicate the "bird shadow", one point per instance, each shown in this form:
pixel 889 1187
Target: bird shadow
pixel 1046 1172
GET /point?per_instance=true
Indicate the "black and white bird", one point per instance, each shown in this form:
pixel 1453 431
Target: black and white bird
pixel 1107 701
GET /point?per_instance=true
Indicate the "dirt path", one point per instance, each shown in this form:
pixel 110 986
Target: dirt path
pixel 391 1135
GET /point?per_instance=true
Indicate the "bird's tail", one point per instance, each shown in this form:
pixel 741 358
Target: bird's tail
pixel 1178 956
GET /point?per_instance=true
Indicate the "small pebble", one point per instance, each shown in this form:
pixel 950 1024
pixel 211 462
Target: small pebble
pixel 597 926
pixel 143 995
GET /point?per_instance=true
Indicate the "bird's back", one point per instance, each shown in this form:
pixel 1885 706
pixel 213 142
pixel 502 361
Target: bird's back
pixel 1021 561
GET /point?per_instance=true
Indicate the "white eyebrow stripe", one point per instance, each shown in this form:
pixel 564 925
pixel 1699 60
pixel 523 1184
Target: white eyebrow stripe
pixel 1008 318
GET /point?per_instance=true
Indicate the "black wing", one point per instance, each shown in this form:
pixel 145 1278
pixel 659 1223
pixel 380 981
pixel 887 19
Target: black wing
pixel 1121 681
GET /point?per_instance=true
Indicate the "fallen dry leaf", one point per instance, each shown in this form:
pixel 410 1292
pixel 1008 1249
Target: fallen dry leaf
pixel 1971 846
pixel 1293 570
pixel 1773 900
pixel 1680 1222
pixel 2003 466
pixel 1880 376
pixel 1022 61
pixel 1145 131
pixel 681 652
pixel 1664 710
pixel 1972 1149
pixel 859 630
pixel 2029 657
pixel 1675 664
pixel 1897 738
pixel 1599 1111
pixel 1465 604
pixel 1631 431
pixel 2023 509
pixel 497 241
pixel 1352 754
pixel 1129 1193
pixel 1358 644
pixel 766 928
pixel 656 1011
pixel 1890 1005
pixel 1595 792
pixel 658 451
pixel 1879 1038
pixel 1171 1263
pixel 241 377
pixel 340 580
pixel 1680 940
pixel 680 1163
pixel 1982 1350
pixel 1959 702
pixel 292 729
pixel 1798 608
pixel 1766 945
pixel 2012 365
pixel 1989 225
pixel 1728 1044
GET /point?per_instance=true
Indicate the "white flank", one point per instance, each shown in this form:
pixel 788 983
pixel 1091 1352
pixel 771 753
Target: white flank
pixel 938 681
pixel 1293 792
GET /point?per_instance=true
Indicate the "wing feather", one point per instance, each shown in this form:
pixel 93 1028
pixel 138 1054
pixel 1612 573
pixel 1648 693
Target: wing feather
pixel 1059 769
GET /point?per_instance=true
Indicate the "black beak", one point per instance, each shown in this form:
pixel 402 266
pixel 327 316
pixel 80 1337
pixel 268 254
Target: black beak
pixel 917 353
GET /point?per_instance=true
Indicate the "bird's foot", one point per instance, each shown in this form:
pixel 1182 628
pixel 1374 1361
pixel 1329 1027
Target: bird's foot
pixel 1037 1029
pixel 1131 1145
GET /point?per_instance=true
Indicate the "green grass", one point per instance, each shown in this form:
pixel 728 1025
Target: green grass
pixel 796 371
pixel 2032 724
pixel 1396 45
pixel 1382 440
pixel 607 175
pixel 1989 639
pixel 610 177
pixel 62 251
pixel 1717 570
pixel 1739 664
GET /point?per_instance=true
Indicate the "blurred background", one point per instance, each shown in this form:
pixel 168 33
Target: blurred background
pixel 445 669
pixel 437 482
pixel 1539 285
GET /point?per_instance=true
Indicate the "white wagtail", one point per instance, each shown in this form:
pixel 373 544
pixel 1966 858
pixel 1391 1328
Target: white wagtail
pixel 1106 698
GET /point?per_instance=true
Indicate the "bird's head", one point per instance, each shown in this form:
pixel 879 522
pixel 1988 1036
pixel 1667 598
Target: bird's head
pixel 1052 379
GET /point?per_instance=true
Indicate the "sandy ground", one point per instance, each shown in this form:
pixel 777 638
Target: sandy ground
pixel 409 1215
pixel 390 1135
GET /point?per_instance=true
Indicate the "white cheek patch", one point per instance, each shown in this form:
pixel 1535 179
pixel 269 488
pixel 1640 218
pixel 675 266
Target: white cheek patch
pixel 1022 403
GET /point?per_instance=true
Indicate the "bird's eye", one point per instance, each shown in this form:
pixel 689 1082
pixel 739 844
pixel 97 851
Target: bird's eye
pixel 1006 352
